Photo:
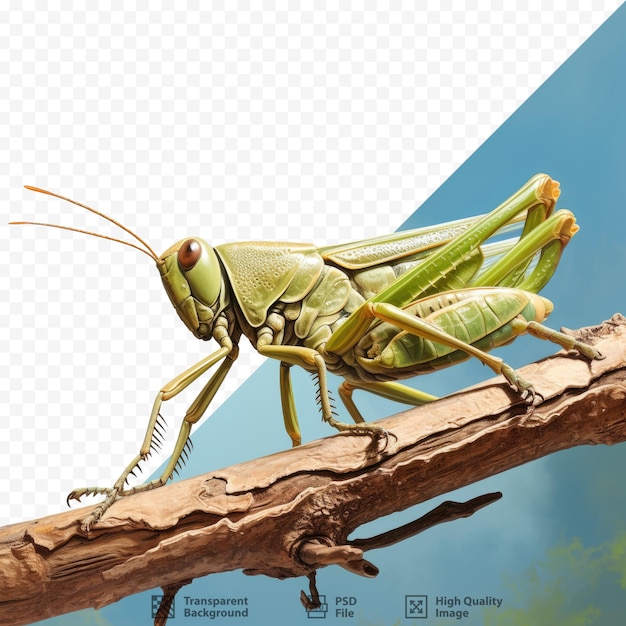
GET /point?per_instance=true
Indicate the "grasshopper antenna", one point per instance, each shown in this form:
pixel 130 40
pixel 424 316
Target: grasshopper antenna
pixel 146 249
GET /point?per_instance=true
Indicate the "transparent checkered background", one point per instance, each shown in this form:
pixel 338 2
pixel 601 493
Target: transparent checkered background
pixel 238 120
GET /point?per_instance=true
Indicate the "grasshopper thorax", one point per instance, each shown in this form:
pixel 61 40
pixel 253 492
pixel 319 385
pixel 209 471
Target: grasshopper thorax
pixel 192 277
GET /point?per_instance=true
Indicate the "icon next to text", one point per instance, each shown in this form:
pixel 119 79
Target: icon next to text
pixel 415 607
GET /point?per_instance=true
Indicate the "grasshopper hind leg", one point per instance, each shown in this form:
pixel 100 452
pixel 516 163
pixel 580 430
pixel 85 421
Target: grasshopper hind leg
pixel 407 395
pixel 565 341
pixel 546 333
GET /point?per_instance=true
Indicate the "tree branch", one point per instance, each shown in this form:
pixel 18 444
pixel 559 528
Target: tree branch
pixel 321 492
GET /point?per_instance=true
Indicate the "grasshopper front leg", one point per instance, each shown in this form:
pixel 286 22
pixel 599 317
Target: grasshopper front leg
pixel 152 438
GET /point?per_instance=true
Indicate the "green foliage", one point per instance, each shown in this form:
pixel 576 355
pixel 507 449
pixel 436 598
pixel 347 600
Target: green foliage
pixel 574 585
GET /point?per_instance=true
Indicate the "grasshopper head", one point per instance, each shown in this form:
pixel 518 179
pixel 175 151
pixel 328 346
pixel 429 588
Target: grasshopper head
pixel 189 269
pixel 192 277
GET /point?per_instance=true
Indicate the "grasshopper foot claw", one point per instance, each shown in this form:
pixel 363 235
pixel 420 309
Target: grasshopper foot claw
pixel 93 518
pixel 532 397
pixel 588 351
pixel 371 430
pixel 596 355
pixel 526 391
pixel 377 434
pixel 523 387
pixel 77 494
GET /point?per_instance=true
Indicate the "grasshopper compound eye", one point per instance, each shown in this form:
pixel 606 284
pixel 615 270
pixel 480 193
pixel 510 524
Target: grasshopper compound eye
pixel 189 254
pixel 198 265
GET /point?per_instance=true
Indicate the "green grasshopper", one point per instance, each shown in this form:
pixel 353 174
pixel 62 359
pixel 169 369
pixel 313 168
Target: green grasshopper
pixel 373 312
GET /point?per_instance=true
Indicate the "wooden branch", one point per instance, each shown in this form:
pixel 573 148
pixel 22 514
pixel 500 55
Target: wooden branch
pixel 265 515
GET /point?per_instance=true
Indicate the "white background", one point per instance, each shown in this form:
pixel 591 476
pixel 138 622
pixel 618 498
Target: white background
pixel 231 121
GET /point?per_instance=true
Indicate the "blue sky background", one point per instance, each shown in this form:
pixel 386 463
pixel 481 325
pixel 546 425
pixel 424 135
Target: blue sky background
pixel 555 546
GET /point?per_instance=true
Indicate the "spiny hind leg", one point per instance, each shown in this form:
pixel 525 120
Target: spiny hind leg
pixel 421 328
pixel 389 389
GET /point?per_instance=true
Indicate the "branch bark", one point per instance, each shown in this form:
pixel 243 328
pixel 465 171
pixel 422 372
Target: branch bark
pixel 268 515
